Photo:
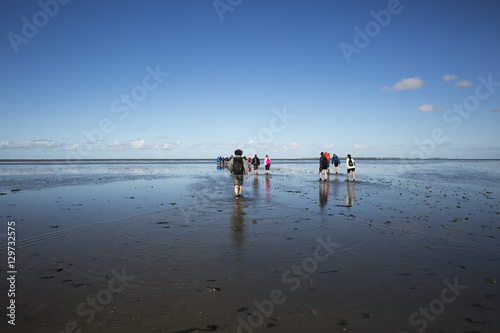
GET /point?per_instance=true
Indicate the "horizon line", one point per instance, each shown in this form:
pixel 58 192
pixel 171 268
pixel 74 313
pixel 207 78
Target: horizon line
pixel 215 159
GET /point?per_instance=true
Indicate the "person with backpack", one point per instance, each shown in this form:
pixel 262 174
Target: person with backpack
pixel 267 163
pixel 238 167
pixel 351 167
pixel 336 163
pixel 256 163
pixel 323 166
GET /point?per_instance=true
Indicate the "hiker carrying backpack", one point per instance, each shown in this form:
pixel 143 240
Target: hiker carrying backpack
pixel 255 163
pixel 351 167
pixel 238 165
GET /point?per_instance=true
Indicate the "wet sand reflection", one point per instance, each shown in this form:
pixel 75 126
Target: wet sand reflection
pixel 350 194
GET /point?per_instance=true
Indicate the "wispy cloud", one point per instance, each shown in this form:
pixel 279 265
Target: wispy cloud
pixel 128 145
pixel 459 84
pixel 292 146
pixel 463 84
pixel 495 110
pixel 413 83
pixel 358 146
pixel 31 144
pixel 449 77
pixel 135 144
pixel 168 145
pixel 429 108
pixel 72 147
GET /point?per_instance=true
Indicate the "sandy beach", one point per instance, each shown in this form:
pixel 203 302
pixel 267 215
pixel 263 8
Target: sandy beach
pixel 159 246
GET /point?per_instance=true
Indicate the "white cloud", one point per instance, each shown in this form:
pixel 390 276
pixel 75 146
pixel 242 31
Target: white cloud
pixel 128 145
pixel 292 146
pixel 72 147
pixel 449 77
pixel 463 84
pixel 140 144
pixel 168 145
pixel 249 142
pixel 413 83
pixel 31 144
pixel 429 108
pixel 362 147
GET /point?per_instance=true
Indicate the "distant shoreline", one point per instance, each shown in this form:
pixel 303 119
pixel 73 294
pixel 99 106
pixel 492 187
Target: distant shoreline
pixel 214 159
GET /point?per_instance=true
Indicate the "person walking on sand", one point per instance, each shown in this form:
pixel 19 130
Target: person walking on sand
pixel 351 167
pixel 256 163
pixel 267 163
pixel 336 162
pixel 238 167
pixel 323 166
pixel 327 155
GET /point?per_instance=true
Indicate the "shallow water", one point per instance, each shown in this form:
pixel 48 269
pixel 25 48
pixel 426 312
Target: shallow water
pixel 360 257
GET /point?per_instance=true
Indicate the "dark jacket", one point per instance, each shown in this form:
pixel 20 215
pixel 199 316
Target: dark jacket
pixel 323 162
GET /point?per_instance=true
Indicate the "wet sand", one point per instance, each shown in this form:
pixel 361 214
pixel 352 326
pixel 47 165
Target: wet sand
pixel 168 249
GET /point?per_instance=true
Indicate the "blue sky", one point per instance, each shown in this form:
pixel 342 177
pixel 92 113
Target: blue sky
pixel 198 79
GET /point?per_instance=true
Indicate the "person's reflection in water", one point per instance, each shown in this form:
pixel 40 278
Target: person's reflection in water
pixel 350 194
pixel 238 235
pixel 256 186
pixel 268 189
pixel 324 193
pixel 335 186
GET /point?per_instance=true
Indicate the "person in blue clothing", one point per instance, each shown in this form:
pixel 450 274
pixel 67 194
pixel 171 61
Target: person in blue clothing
pixel 323 166
pixel 336 163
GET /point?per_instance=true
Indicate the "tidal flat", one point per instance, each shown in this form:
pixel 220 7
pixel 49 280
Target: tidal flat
pixel 163 246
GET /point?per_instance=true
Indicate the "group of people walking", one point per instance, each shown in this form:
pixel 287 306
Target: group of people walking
pixel 324 165
pixel 239 166
pixel 255 162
